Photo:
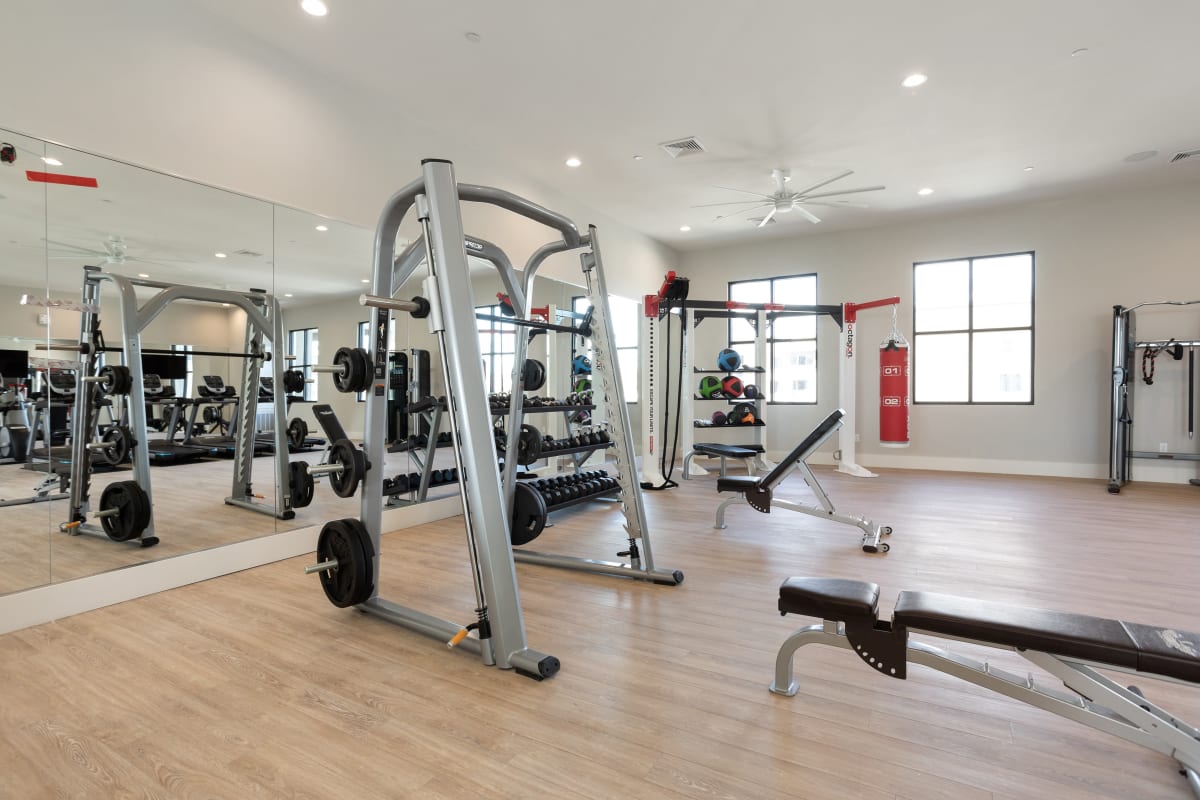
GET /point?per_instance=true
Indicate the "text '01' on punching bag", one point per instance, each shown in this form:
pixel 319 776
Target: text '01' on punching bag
pixel 893 392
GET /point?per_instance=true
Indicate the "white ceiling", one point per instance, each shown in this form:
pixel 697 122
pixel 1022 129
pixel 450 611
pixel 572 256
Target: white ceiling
pixel 814 87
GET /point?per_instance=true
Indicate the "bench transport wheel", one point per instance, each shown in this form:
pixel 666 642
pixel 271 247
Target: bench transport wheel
pixel 886 530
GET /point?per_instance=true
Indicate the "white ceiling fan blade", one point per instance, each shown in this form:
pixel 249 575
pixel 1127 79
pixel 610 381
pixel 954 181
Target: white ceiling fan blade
pixel 68 246
pixel 768 217
pixel 161 261
pixel 842 204
pixel 844 191
pixel 845 174
pixel 754 207
pixel 733 203
pixel 743 191
pixel 808 215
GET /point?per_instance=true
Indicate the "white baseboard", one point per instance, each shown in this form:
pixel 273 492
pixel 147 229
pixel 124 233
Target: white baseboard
pixel 58 600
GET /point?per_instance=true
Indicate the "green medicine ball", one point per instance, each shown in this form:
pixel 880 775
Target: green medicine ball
pixel 710 385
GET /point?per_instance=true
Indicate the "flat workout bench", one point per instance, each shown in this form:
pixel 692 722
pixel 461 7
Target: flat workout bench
pixel 759 493
pixel 1068 646
pixel 723 452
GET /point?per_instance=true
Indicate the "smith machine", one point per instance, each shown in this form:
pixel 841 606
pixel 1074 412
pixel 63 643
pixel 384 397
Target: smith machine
pixel 347 549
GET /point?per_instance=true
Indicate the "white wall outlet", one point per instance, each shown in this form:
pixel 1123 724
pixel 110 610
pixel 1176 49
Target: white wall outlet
pixel 43 319
pixel 1162 447
pixel 858 437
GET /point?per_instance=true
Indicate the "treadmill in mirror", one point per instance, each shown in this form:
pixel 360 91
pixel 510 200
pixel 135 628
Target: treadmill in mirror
pixel 161 398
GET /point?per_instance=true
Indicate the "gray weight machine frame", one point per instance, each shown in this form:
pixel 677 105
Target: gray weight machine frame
pixel 263 322
pixel 1124 345
pixel 1094 700
pixel 437 195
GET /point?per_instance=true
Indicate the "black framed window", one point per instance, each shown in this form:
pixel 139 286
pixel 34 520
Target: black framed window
pixel 186 389
pixel 791 340
pixel 305 345
pixel 973 330
pixel 498 344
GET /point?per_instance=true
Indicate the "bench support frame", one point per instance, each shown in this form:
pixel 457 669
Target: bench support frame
pixel 1094 700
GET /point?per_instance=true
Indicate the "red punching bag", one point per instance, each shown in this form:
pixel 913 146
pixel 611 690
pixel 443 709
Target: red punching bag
pixel 893 392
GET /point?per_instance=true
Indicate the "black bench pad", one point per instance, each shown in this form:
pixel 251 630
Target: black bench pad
pixel 724 450
pixel 829 598
pixel 1063 634
pixel 1166 651
pixel 736 483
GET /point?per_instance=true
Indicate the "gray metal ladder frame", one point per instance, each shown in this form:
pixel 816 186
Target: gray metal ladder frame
pixel 1094 700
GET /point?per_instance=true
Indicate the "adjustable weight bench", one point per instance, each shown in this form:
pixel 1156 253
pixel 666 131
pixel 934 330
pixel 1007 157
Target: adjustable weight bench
pixel 1068 646
pixel 759 493
pixel 722 451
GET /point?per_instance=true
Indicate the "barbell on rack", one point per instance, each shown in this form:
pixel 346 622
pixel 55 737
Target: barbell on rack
pixel 346 467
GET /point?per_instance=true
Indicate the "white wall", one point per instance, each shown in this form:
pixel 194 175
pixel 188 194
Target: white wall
pixel 1092 252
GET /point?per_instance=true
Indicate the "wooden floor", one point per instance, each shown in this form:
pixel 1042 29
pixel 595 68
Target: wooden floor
pixel 252 685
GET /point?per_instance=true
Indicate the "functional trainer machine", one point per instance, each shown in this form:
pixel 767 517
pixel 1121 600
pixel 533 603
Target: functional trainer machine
pixel 1124 347
pixel 1070 647
pixel 759 493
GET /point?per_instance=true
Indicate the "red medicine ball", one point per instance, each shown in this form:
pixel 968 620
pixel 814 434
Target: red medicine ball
pixel 732 386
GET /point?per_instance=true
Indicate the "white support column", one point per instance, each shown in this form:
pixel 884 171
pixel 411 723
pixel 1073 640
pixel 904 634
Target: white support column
pixel 654 383
pixel 847 458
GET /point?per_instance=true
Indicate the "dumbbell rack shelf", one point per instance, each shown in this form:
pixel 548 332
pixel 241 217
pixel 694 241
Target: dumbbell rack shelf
pixel 502 411
pixel 733 401
pixel 566 451
pixel 758 423
pixel 587 498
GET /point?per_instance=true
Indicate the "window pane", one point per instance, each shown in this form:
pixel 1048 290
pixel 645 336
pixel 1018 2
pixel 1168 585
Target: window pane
pixel 794 328
pixel 1002 367
pixel 624 314
pixel 751 291
pixel 627 361
pixel 740 329
pixel 797 291
pixel 1002 290
pixel 794 379
pixel 503 377
pixel 940 296
pixel 940 368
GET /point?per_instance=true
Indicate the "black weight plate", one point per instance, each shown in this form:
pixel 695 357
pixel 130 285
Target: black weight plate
pixel 300 484
pixel 133 510
pixel 533 374
pixel 343 584
pixel 529 514
pixel 354 373
pixel 352 461
pixel 117 442
pixel 360 534
pixel 293 381
pixel 297 432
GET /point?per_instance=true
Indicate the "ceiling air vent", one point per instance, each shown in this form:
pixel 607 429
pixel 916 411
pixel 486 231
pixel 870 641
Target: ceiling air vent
pixel 1185 154
pixel 682 147
pixel 249 253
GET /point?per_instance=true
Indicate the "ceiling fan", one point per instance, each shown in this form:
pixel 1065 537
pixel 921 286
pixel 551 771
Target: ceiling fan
pixel 783 201
pixel 113 249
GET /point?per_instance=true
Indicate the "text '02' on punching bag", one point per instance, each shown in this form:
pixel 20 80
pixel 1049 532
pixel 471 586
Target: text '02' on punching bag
pixel 893 392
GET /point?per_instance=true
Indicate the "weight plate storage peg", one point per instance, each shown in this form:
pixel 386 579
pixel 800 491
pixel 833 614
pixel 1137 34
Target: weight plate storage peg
pixel 528 515
pixel 297 432
pixel 115 379
pixel 124 511
pixel 344 550
pixel 300 484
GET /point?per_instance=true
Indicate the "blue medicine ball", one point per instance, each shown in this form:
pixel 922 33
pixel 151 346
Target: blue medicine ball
pixel 581 364
pixel 729 360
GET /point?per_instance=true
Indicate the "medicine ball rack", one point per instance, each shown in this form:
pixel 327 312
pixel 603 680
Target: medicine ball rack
pixel 348 550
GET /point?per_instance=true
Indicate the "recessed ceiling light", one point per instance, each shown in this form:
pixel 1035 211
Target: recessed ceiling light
pixel 219 255
pixel 472 37
pixel 914 80
pixel 315 7
pixel 1029 168
pixel 143 275
pixel 52 161
pixel 287 295
pixel 924 191
pixel 322 228
pixel 225 304
pixel 1078 51
pixel 365 280
pixel 685 228
pixel 573 162
pixel 638 158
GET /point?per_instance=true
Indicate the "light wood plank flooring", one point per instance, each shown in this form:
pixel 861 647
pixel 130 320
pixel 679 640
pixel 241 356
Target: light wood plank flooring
pixel 252 685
